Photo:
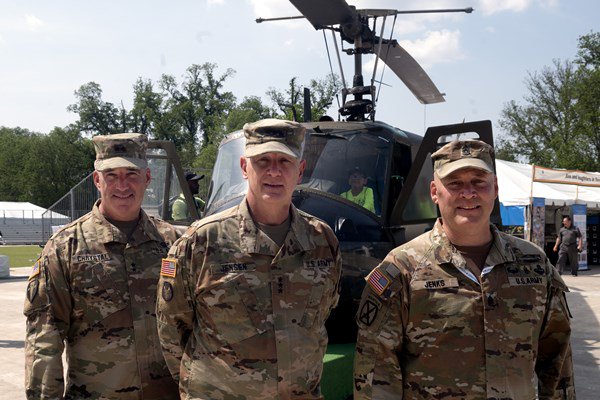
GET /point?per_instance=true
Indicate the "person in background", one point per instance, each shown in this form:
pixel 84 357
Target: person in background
pixel 92 292
pixel 180 211
pixel 568 242
pixel 359 193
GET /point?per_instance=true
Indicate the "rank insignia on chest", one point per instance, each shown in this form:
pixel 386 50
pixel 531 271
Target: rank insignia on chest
pixel 168 267
pixel 378 281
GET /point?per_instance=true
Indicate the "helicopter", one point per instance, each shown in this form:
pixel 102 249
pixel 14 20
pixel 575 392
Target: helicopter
pixel 396 164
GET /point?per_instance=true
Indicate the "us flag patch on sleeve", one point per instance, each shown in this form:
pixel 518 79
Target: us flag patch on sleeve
pixel 168 267
pixel 378 281
pixel 35 270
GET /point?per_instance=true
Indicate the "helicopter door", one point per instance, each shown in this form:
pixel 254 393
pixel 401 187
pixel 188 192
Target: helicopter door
pixel 414 206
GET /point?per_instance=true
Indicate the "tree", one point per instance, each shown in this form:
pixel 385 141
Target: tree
pixel 587 105
pixel 41 168
pixel 558 124
pixel 95 115
pixel 146 109
pixel 291 102
pixel 199 107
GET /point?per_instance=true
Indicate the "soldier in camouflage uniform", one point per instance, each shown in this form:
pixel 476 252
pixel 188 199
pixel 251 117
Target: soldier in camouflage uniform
pixel 244 294
pixel 93 291
pixel 464 311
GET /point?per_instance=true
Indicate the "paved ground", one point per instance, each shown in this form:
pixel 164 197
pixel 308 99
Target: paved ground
pixel 584 301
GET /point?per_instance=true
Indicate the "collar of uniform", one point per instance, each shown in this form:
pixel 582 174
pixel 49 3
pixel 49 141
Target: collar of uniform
pixel 106 232
pixel 443 248
pixel 253 240
pixel 500 252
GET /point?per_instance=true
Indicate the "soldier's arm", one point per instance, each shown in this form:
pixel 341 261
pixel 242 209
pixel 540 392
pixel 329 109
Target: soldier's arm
pixel 337 268
pixel 47 309
pixel 174 305
pixel 557 243
pixel 377 371
pixel 554 366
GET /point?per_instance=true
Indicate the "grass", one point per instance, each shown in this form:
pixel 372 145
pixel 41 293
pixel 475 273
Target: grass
pixel 21 256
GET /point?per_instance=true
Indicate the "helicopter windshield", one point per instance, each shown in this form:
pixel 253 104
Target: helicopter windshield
pixel 331 159
pixel 349 164
pixel 227 180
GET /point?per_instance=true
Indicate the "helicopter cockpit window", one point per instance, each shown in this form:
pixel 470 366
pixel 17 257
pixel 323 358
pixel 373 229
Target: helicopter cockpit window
pixel 227 180
pixel 349 164
pixel 156 194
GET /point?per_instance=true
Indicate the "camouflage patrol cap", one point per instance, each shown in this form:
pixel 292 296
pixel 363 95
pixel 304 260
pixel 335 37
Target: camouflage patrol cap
pixel 274 135
pixel 461 154
pixel 126 150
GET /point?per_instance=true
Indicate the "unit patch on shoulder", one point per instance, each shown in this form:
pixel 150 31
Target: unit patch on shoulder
pixel 167 291
pixel 35 270
pixel 168 267
pixel 368 312
pixel 378 281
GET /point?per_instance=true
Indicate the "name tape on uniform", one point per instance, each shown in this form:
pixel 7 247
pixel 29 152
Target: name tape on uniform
pixel 436 283
pixel 79 258
pixel 168 267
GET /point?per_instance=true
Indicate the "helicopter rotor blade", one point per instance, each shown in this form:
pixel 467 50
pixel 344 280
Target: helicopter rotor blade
pixel 410 72
pixel 321 15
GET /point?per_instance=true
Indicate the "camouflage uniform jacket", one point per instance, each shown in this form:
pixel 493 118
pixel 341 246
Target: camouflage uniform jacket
pixel 95 291
pixel 240 317
pixel 429 330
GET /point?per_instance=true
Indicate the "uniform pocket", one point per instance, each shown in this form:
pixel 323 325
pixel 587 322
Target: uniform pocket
pixel 97 296
pixel 321 289
pixel 227 305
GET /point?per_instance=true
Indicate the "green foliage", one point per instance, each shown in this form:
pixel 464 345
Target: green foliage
pixel 194 113
pixel 291 101
pixel 41 168
pixel 557 126
pixel 96 115
pixel 21 256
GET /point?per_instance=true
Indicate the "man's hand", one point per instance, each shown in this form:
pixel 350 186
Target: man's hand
pixel 555 249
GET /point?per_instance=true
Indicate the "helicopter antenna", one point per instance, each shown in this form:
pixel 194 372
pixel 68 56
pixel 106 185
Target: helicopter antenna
pixel 337 52
pixel 330 64
pixel 384 65
pixel 375 98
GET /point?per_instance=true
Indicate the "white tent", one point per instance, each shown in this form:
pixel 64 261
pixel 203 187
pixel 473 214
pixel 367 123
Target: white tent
pixel 25 210
pixel 516 187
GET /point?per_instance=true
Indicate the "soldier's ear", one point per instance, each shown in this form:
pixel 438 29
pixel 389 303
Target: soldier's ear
pixel 243 166
pixel 433 192
pixel 96 176
pixel 301 168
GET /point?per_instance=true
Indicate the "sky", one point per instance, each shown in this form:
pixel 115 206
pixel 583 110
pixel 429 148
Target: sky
pixel 48 49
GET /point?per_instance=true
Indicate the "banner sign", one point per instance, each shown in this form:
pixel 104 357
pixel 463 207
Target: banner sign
pixel 568 177
pixel 538 234
pixel 580 221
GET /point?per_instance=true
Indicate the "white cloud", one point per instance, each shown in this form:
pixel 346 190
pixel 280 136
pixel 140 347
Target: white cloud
pixel 494 6
pixel 436 47
pixel 215 2
pixel 33 22
pixel 273 8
